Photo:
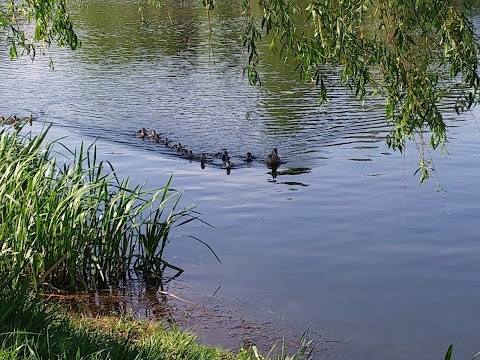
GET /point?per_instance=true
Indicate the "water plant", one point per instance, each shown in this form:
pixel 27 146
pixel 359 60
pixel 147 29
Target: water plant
pixel 448 354
pixel 68 220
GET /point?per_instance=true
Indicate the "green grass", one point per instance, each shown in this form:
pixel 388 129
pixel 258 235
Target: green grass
pixel 34 331
pixel 74 223
pixel 31 330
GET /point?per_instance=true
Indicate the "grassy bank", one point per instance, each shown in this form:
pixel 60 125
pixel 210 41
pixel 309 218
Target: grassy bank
pixel 31 330
pixel 69 222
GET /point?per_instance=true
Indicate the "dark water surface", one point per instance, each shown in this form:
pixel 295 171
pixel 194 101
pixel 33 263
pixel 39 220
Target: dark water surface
pixel 344 237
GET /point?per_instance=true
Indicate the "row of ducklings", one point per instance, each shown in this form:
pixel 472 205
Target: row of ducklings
pixel 143 133
pixel 272 160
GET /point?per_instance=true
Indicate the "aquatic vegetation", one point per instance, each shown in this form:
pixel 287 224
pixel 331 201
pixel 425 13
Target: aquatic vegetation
pixel 79 224
pixel 448 354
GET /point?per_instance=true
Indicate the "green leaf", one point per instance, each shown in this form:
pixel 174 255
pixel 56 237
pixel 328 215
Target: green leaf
pixel 448 355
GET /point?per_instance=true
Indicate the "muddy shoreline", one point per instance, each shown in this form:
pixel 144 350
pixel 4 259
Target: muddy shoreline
pixel 214 320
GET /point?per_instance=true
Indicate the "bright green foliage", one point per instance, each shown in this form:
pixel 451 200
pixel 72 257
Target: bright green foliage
pixel 76 223
pixel 29 24
pixel 409 52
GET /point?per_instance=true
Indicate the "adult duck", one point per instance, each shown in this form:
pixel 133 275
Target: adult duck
pixel 11 120
pixel 273 160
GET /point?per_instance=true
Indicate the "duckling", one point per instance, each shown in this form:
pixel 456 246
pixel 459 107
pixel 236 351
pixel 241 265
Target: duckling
pixel 187 153
pixel 152 134
pixel 273 160
pixel 142 133
pixel 177 147
pixel 250 157
pixel 166 142
pixel 202 158
pixel 222 155
pixel 225 156
pixel 227 164
pixel 163 141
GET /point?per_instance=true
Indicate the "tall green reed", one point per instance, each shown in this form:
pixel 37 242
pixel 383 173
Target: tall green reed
pixel 80 224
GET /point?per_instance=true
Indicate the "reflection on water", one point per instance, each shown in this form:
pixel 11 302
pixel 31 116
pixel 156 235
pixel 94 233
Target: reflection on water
pixel 340 234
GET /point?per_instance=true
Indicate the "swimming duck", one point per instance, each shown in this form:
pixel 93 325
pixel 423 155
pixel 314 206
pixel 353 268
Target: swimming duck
pixel 187 153
pixel 177 147
pixel 225 156
pixel 250 157
pixel 166 142
pixel 273 159
pixel 152 134
pixel 202 158
pixel 142 133
pixel 11 120
pixel 227 164
pixel 222 155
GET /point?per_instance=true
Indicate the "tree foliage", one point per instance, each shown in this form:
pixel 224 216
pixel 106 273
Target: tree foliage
pixel 30 24
pixel 410 52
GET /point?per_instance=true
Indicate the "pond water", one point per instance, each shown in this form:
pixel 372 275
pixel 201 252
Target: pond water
pixel 343 237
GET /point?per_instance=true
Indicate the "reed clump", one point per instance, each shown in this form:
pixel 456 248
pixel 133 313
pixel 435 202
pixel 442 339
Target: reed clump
pixel 74 223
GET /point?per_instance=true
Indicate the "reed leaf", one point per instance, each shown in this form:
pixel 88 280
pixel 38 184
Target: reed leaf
pixel 81 225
